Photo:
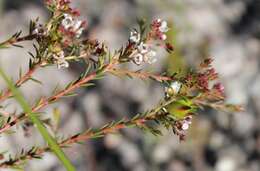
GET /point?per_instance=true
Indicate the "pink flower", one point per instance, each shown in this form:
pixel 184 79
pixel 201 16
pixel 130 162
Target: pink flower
pixel 219 87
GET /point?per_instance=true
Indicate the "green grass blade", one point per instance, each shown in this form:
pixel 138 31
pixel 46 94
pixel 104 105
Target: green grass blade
pixel 45 134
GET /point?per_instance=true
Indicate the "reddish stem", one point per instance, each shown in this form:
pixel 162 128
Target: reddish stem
pixel 45 102
pixel 7 93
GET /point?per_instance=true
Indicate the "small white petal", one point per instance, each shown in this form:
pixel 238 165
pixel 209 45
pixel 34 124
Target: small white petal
pixel 152 60
pixel 62 64
pixel 143 48
pixel 79 32
pixel 61 54
pixel 164 27
pixel 138 59
pixel 60 60
pixel 176 86
pixel 150 57
pixel 151 53
pixel 36 31
pixel 66 15
pixel 134 37
pixel 158 20
pixel 185 126
pixel 164 24
pixel 66 64
pixel 77 25
pixel 164 37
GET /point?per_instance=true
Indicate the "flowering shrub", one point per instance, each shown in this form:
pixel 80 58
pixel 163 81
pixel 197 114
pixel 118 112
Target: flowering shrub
pixel 60 41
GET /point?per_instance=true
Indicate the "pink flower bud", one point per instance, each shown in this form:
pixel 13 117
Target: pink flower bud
pixel 219 87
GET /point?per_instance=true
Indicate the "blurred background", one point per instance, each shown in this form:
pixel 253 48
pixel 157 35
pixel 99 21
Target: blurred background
pixel 228 30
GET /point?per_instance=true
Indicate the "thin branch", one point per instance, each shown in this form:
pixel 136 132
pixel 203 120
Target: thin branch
pixel 45 102
pixel 140 74
pixel 14 39
pixel 7 93
pixel 138 121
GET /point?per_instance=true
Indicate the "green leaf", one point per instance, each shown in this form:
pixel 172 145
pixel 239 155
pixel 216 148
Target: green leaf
pixel 35 80
pixel 180 108
pixel 70 95
pixel 3 46
pixel 16 45
pixel 56 116
pixel 20 72
pixel 1 121
pixel 47 137
pixel 88 85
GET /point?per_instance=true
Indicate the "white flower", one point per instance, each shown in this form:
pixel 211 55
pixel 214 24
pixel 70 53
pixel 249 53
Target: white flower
pixel 138 59
pixel 143 53
pixel 143 48
pixel 164 27
pixel 186 123
pixel 172 89
pixel 146 52
pixel 77 24
pixel 60 60
pixel 134 36
pixel 149 57
pixel 62 63
pixel 73 24
pixel 79 32
pixel 185 126
pixel 176 86
pixel 77 28
pixel 68 21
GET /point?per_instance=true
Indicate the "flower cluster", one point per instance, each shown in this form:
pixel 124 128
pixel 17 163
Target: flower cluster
pixel 60 35
pixel 205 81
pixel 60 60
pixel 143 54
pixel 180 121
pixel 159 28
pixel 71 26
pixel 186 122
pixel 143 49
pixel 181 126
pixel 199 88
pixel 181 110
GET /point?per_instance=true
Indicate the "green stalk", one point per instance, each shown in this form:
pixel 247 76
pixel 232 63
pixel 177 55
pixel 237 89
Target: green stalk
pixel 45 134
